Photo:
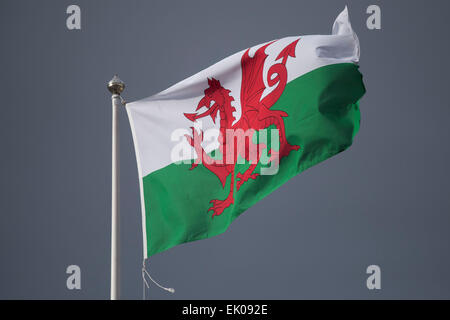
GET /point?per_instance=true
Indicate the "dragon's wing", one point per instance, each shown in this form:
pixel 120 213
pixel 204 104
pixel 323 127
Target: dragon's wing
pixel 253 85
pixel 253 82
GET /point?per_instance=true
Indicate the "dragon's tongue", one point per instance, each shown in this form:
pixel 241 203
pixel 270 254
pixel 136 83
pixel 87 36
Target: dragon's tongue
pixel 191 116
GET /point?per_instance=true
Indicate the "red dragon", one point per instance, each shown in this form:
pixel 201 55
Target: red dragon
pixel 256 115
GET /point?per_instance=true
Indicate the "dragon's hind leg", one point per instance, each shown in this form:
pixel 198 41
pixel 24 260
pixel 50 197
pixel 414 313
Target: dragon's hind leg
pixel 220 205
pixel 248 174
pixel 253 155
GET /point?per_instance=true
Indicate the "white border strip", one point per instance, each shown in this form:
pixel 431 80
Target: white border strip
pixel 141 184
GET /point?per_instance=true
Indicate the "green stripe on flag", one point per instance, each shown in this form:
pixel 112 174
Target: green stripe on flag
pixel 323 119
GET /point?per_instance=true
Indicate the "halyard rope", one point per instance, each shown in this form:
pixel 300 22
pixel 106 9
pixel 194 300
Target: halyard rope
pixel 145 283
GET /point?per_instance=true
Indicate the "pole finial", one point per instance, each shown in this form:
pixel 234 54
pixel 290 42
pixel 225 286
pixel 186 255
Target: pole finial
pixel 115 85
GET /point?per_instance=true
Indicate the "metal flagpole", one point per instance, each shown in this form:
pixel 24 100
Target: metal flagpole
pixel 115 86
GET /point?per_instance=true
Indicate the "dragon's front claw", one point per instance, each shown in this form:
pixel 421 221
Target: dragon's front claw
pixel 189 140
pixel 196 139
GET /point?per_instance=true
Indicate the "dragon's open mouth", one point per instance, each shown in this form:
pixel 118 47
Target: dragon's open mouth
pixel 211 109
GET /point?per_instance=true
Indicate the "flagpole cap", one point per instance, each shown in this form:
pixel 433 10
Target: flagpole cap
pixel 115 85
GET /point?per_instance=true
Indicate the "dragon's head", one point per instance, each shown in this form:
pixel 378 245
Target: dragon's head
pixel 216 97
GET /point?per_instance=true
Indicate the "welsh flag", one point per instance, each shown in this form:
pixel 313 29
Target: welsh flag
pixel 214 144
